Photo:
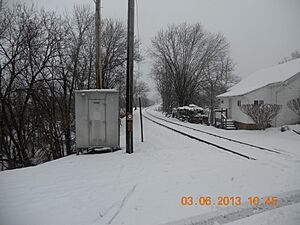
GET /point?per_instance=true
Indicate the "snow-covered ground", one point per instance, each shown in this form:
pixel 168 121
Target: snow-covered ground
pixel 288 215
pixel 146 187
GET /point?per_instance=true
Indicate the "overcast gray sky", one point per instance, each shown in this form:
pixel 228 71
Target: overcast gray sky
pixel 261 32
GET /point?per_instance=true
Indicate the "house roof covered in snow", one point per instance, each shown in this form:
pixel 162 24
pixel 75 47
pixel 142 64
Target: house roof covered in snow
pixel 261 78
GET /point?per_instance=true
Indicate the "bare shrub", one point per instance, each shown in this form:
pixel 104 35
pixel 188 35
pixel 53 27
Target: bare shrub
pixel 262 114
pixel 294 105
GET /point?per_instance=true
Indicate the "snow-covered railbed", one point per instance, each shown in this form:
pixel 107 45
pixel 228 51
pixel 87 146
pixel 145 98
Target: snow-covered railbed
pixel 200 139
pixel 142 188
pixel 265 155
pixel 283 142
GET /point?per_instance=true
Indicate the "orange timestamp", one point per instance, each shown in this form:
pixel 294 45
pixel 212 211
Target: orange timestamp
pixel 227 201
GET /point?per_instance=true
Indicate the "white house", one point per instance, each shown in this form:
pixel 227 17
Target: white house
pixel 274 85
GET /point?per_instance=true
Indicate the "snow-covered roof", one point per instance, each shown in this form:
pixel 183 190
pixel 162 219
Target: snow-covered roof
pixel 184 107
pixel 261 78
pixel 95 90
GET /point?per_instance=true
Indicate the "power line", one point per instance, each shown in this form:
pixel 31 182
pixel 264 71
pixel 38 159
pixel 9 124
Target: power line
pixel 138 35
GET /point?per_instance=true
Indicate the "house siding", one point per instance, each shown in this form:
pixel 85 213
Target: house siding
pixel 279 93
pixel 284 94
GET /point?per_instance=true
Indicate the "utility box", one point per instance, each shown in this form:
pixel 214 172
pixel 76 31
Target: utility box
pixel 97 119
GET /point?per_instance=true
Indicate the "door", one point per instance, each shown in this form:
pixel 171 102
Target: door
pixel 230 108
pixel 97 124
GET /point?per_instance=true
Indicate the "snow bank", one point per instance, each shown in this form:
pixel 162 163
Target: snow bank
pixel 142 188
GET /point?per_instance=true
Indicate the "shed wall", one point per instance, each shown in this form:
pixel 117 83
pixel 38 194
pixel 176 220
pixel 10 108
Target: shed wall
pixel 104 121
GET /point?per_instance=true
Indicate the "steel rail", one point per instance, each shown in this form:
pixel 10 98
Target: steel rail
pixel 215 135
pixel 201 140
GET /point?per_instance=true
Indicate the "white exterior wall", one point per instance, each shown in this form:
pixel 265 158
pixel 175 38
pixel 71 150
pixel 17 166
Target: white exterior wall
pixel 271 94
pixel 264 94
pixel 284 94
pixel 236 113
pixel 97 118
pixel 224 103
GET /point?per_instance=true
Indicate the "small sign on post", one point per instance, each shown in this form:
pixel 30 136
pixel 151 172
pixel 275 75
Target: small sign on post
pixel 129 121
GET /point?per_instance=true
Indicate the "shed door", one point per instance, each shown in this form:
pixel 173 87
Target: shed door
pixel 97 125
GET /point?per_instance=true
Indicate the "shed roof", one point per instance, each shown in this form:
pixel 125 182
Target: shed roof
pixel 96 90
pixel 261 78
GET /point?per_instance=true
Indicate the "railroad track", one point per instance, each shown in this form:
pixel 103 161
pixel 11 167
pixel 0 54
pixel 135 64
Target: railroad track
pixel 216 135
pixel 210 134
pixel 202 140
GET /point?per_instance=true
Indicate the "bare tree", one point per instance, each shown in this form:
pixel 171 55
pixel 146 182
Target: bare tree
pixel 140 90
pixel 217 72
pixel 78 28
pixel 180 49
pixel 294 55
pixel 26 51
pixel 187 58
pixel 39 71
pixel 114 52
pixel 164 86
pixel 262 114
pixel 1 5
pixel 44 58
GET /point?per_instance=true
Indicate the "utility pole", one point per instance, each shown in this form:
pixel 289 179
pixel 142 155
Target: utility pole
pixel 129 80
pixel 98 45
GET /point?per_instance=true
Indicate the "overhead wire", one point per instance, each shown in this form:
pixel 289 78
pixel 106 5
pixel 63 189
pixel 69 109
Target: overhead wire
pixel 138 36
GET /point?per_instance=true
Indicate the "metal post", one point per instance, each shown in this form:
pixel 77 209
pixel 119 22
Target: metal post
pixel 129 80
pixel 226 116
pixel 98 45
pixel 141 119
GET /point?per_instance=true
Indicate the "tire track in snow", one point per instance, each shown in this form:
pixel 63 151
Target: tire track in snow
pixel 124 200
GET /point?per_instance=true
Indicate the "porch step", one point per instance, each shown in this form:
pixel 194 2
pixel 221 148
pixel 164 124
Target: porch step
pixel 229 125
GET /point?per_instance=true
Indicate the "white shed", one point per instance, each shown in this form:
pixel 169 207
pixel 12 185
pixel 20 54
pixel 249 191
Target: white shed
pixel 274 85
pixel 97 118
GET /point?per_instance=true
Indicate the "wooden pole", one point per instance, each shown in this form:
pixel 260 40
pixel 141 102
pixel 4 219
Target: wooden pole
pixel 141 120
pixel 98 65
pixel 129 80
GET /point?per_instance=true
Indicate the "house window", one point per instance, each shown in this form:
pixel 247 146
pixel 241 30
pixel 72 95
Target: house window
pixel 239 103
pixel 222 101
pixel 258 102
